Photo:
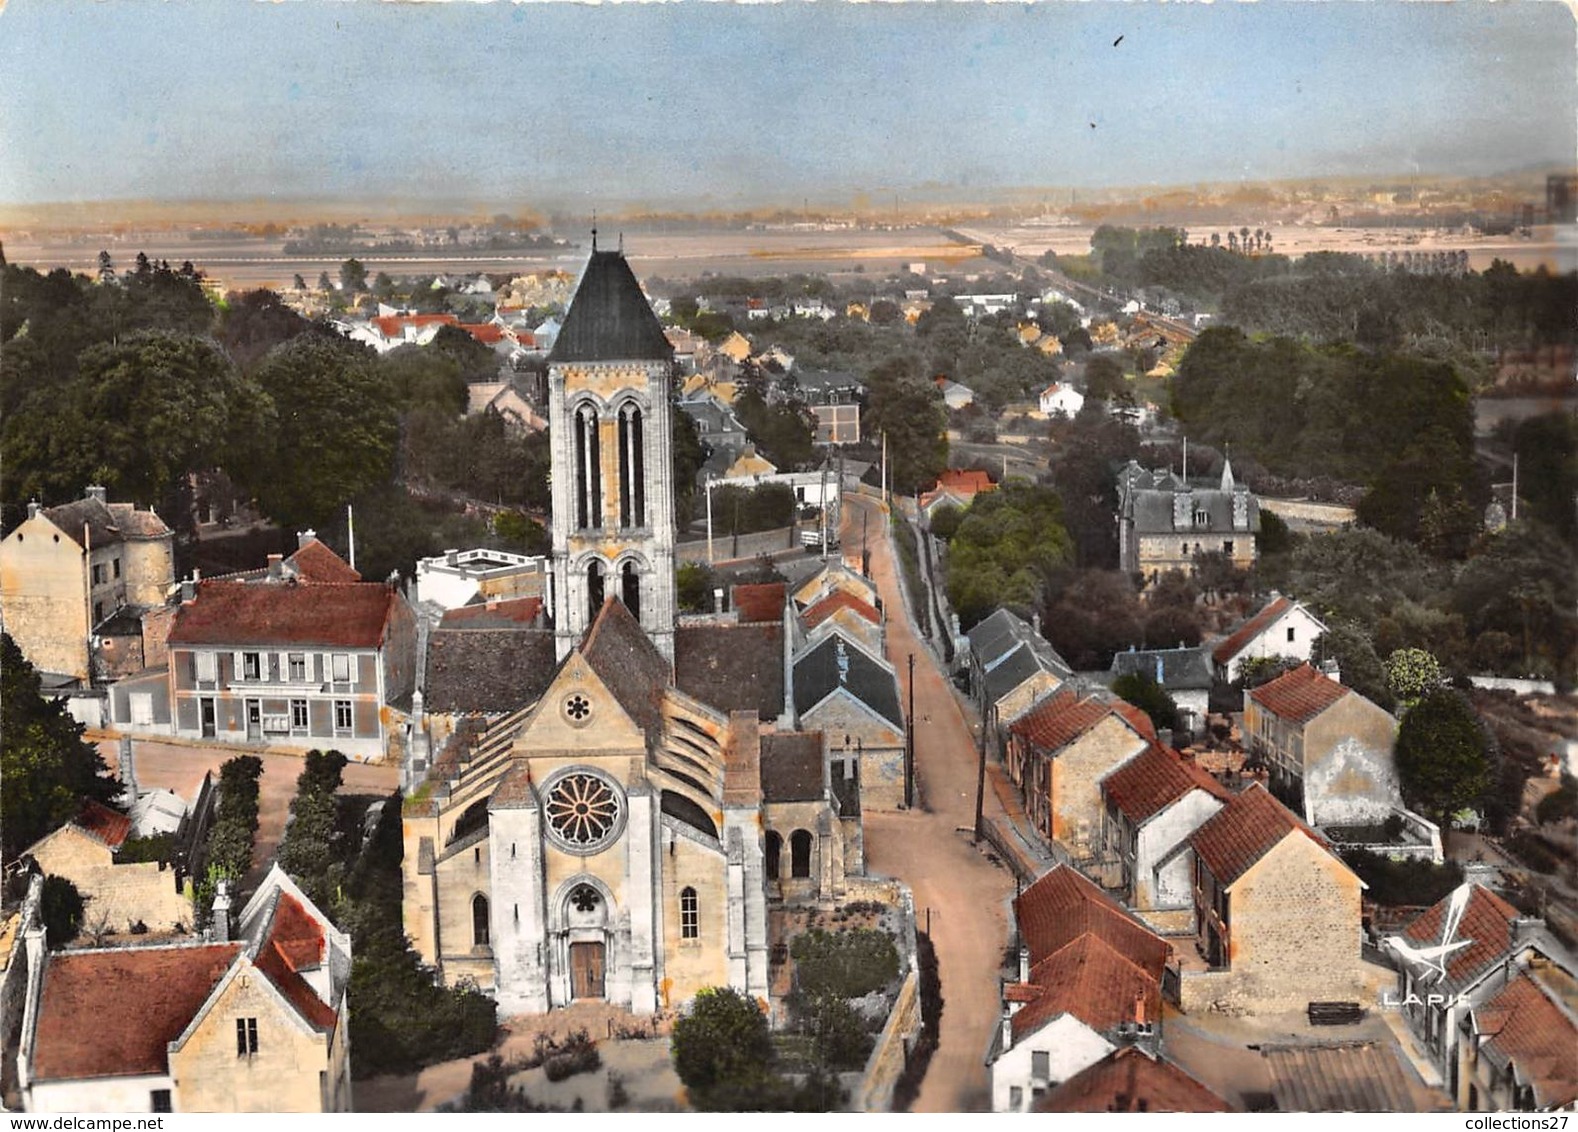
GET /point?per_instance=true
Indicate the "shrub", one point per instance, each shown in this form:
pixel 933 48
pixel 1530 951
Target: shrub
pixel 61 907
pixel 1406 882
pixel 847 964
pixel 579 1055
pixel 157 847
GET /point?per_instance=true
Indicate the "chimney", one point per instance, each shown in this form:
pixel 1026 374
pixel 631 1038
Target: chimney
pixel 717 600
pixel 219 922
pixel 32 509
pixel 1240 509
pixel 1024 963
pixel 304 537
pixel 128 769
pixel 1007 1042
pixel 276 567
pixel 96 491
pixel 188 590
pixel 451 556
pixel 1035 623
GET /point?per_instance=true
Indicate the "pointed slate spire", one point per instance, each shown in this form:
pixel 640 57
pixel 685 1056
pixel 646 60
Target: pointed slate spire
pixel 1227 474
pixel 610 319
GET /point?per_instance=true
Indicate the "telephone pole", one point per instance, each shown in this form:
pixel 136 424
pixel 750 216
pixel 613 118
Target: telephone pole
pixel 909 743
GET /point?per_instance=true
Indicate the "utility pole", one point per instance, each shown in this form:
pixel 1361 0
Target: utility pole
pixel 980 781
pixel 350 533
pixel 1514 487
pixel 909 743
pixel 885 500
pixel 710 558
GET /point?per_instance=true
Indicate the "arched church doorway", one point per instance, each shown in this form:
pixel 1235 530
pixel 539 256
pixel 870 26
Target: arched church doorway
pixel 586 917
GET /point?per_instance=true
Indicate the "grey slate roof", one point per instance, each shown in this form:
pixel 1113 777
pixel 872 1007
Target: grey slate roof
pixel 792 766
pixel 1011 651
pixel 1153 512
pixel 732 667
pixel 609 318
pixel 836 662
pixel 106 522
pixel 487 671
pixel 1185 669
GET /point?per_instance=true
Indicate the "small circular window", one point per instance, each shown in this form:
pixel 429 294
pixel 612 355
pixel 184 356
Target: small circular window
pixel 577 709
pixel 584 811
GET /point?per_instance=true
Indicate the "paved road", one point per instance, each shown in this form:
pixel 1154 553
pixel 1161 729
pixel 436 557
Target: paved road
pixel 967 894
pixel 180 767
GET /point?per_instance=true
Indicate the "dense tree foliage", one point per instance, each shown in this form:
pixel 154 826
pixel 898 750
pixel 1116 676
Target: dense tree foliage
pixel 311 851
pixel 47 768
pixel 904 405
pixel 1149 696
pixel 1091 614
pixel 1087 454
pixel 1358 666
pixel 723 1039
pixel 1444 756
pixel 1006 545
pixel 61 908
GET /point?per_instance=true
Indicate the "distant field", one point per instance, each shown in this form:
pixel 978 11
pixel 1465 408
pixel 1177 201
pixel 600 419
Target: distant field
pixel 243 264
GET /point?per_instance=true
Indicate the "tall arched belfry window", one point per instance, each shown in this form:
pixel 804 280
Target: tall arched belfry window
pixel 630 588
pixel 632 470
pixel 594 589
pixel 588 469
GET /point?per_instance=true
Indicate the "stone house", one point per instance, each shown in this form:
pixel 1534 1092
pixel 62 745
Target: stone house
pixel 1164 521
pixel 65 571
pixel 1012 667
pixel 836 576
pixel 851 696
pixel 842 612
pixel 459 577
pixel 1131 1079
pixel 307 664
pixel 1456 958
pixel 255 1024
pixel 117 896
pixel 1329 750
pixel 1517 1049
pixel 1059 752
pixel 1284 627
pixel 956 487
pixel 1089 983
pixel 1276 913
pixel 1152 806
pixel 1183 673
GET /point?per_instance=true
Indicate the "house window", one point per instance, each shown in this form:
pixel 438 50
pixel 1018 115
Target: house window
pixel 98 573
pixel 1016 1097
pixel 205 667
pixel 251 666
pixel 298 715
pixel 1040 1065
pixel 159 1101
pixel 297 662
pixel 341 666
pixel 1227 548
pixel 1202 517
pixel 116 566
pixel 342 715
pixel 1291 631
pixel 689 914
pixel 98 612
pixel 246 1037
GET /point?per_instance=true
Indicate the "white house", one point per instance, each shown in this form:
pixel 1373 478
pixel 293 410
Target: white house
pixel 1283 628
pixel 1061 397
pixel 455 577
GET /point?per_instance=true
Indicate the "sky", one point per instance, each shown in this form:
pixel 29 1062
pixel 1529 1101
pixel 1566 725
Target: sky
pixel 726 105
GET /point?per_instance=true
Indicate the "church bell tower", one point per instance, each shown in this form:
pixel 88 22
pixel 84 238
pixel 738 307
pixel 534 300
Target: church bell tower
pixel 613 474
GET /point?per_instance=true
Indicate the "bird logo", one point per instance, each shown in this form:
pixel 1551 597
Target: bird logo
pixel 1431 962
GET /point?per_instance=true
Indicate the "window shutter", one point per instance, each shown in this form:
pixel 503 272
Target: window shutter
pixel 284 666
pixel 240 671
pixel 312 667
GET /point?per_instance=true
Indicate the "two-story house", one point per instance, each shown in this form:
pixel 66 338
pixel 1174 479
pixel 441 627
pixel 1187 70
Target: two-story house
pixel 1152 805
pixel 1059 752
pixel 258 1023
pixel 1284 627
pixel 1517 1051
pixel 1164 521
pixel 1089 983
pixel 1329 752
pixel 851 695
pixel 302 664
pixel 65 571
pixel 1276 913
pixel 1012 668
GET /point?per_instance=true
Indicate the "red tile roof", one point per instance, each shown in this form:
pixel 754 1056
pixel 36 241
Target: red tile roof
pixel 238 614
pixel 1093 981
pixel 488 333
pixel 393 326
pixel 1245 830
pixel 1298 695
pixel 1487 921
pixel 113 1013
pixel 1063 905
pixel 1130 1080
pixel 315 562
pixel 967 480
pixel 836 600
pixel 763 602
pixel 103 824
pixel 1154 780
pixel 494 614
pixel 1524 1028
pixel 294 943
pixel 1063 717
pixel 1250 629
pixel 272 962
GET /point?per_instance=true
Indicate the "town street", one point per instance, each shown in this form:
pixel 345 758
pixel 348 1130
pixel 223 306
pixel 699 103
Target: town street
pixel 966 894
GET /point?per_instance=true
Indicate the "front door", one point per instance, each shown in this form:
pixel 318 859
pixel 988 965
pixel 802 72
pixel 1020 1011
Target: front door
pixel 254 720
pixel 586 970
pixel 206 709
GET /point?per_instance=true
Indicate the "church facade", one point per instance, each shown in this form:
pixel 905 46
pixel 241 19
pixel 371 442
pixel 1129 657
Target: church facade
pixel 617 838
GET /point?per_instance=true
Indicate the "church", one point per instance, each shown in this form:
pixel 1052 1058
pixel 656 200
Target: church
pixel 622 836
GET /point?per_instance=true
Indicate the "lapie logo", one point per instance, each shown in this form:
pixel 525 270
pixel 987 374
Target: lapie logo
pixel 1428 965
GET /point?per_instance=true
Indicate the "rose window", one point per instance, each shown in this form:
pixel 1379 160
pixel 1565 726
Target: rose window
pixel 583 810
pixel 578 709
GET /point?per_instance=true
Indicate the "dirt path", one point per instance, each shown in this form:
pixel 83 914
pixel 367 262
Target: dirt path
pixel 966 894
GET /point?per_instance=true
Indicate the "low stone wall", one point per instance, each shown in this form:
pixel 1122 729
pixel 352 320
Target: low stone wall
pixel 1308 513
pixel 1513 684
pixel 890 1055
pixel 725 549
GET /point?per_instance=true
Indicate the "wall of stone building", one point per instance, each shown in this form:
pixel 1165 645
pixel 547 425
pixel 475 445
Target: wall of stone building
pixel 399 652
pixel 1295 933
pixel 149 569
pixel 1273 640
pixel 286 1073
pixel 419 835
pixel 1037 687
pixel 70 850
pixel 1172 887
pixel 43 596
pixel 464 872
pixel 1350 777
pixel 1070 1046
pixel 691 964
pixel 99 1094
pixel 1076 805
pixel 784 818
pixel 122 895
pixel 1157 554
pixel 891 1053
pixel 881 748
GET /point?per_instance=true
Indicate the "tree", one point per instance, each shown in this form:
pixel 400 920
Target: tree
pixel 60 907
pixel 723 1040
pixel 904 406
pixel 1093 614
pixel 1358 666
pixel 1006 545
pixel 693 584
pixel 1410 673
pixel 353 276
pixel 1258 670
pixel 47 768
pixel 1443 755
pixel 1104 378
pixel 337 429
pixel 253 323
pixel 1149 696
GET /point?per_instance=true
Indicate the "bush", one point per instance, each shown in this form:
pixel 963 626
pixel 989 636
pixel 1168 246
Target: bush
pixel 579 1055
pixel 1407 882
pixel 158 847
pixel 60 907
pixel 845 964
pixel 1559 805
pixel 837 1029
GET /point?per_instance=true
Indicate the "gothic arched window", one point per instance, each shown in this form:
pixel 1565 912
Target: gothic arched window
pixel 479 920
pixel 800 853
pixel 594 589
pixel 630 588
